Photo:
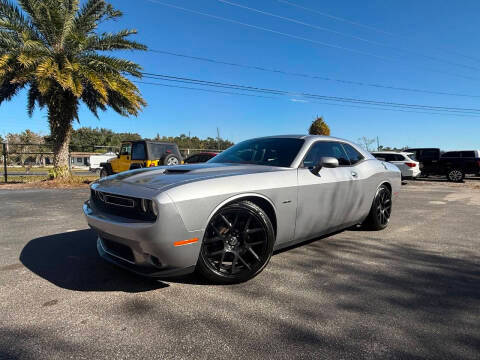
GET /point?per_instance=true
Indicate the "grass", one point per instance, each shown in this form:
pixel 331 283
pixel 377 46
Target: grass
pixel 33 170
pixel 40 181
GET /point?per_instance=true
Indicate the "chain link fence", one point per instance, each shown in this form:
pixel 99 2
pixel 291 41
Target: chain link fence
pixel 20 159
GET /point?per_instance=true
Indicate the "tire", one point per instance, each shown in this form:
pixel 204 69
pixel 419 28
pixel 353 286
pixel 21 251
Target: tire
pixel 237 245
pixel 171 159
pixel 455 175
pixel 104 172
pixel 381 210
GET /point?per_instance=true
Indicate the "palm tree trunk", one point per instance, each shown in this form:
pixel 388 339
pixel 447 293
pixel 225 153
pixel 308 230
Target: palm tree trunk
pixel 61 113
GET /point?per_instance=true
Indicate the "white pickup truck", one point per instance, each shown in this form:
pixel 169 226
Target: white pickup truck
pixel 96 160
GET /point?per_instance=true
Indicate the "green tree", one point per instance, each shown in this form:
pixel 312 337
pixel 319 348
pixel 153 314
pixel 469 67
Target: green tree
pixel 53 48
pixel 319 127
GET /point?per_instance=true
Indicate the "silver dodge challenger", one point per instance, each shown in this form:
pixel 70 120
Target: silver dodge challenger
pixel 224 218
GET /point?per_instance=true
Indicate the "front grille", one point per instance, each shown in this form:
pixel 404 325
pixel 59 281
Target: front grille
pixel 124 206
pixel 117 249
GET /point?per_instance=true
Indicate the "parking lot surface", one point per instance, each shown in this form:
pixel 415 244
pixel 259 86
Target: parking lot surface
pixel 411 291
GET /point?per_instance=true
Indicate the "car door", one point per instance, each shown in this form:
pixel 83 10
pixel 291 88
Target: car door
pixel 324 200
pixel 365 183
pixel 125 157
pixel 469 162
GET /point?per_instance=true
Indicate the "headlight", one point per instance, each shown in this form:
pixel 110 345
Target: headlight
pixel 154 208
pixel 149 206
pixel 144 205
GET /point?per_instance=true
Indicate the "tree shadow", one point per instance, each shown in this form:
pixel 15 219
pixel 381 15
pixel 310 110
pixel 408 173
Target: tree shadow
pixel 70 260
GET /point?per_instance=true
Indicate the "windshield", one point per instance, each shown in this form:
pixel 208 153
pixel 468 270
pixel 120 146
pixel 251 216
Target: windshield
pixel 267 151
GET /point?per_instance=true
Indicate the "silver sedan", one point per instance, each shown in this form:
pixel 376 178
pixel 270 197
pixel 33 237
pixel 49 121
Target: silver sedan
pixel 224 218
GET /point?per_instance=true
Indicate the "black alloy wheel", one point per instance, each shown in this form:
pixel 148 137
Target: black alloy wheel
pixel 237 245
pixel 381 209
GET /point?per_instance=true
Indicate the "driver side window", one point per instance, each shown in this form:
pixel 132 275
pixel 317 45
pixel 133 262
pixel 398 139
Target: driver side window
pixel 126 149
pixel 325 148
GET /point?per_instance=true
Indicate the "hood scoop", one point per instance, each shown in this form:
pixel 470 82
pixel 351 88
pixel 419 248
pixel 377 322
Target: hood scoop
pixel 177 171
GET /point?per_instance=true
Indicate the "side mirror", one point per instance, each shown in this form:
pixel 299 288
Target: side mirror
pixel 327 162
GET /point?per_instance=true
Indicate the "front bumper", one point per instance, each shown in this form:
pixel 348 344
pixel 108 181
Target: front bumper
pixel 145 248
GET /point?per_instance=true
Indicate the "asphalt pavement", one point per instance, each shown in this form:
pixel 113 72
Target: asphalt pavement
pixel 411 291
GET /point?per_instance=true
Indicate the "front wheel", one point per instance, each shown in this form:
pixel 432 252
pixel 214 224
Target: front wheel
pixel 381 209
pixel 104 172
pixel 237 245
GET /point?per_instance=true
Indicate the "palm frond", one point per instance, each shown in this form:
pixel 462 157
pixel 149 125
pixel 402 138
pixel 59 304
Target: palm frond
pixel 107 64
pixel 117 41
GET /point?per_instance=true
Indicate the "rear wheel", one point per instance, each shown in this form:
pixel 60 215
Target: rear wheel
pixel 171 159
pixel 381 209
pixel 237 245
pixel 455 175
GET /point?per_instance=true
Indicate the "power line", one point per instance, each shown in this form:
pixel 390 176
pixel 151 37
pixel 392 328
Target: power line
pixel 316 77
pixel 309 95
pixel 268 30
pixel 206 90
pixel 348 35
pixel 299 37
pixel 310 101
pixel 372 28
pixel 337 18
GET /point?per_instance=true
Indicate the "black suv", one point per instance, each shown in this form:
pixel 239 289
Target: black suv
pixel 453 164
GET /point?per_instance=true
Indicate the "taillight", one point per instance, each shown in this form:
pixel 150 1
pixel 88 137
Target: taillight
pixel 411 164
pixel 478 162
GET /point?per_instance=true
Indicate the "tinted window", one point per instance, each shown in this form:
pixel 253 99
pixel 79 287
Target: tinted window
pixel 192 159
pixel 412 157
pixel 325 148
pixel 399 157
pixel 126 149
pixel 353 154
pixel 156 151
pixel 171 149
pixel 468 154
pixel 451 154
pixel 429 155
pixel 138 151
pixel 266 151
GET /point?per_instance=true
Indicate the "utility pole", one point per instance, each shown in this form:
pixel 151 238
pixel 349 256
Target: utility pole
pixel 218 138
pixel 378 144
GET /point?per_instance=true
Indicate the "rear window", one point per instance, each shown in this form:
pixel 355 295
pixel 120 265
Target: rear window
pixel 412 156
pixel 468 154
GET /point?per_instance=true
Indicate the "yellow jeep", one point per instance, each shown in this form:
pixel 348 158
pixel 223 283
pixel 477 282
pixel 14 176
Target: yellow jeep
pixel 142 153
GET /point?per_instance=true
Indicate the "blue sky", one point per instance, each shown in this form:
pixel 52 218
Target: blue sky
pixel 446 31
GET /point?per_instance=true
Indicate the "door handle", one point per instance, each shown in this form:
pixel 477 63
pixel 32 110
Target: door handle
pixel 354 174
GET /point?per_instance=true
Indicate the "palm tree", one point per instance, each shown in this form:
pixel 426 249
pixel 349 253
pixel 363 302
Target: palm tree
pixel 52 47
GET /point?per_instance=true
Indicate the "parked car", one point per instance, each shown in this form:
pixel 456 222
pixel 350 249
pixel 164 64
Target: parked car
pixel 199 157
pixel 452 164
pixel 141 154
pixel 405 161
pixel 96 160
pixel 225 217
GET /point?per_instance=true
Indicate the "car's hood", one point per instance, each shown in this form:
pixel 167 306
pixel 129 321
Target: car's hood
pixel 168 176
